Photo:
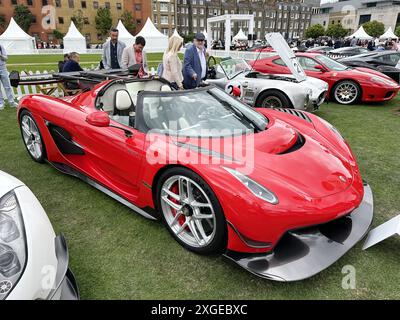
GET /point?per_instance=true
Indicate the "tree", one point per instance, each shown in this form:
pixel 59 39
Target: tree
pixel 58 35
pixel 23 17
pixel 188 37
pixel 78 19
pixel 374 28
pixel 315 31
pixel 397 31
pixel 103 21
pixel 336 31
pixel 128 21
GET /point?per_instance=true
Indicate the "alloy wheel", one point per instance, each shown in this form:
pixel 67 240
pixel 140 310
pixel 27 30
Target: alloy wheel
pixel 31 137
pixel 346 92
pixel 272 102
pixel 188 211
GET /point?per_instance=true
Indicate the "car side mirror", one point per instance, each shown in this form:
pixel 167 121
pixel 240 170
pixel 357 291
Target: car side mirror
pixel 98 119
pixel 319 68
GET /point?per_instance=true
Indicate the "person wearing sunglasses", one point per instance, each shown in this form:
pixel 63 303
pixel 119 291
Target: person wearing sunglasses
pixel 195 63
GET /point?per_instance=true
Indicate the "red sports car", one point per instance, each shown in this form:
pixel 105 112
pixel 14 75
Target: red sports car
pixel 277 191
pixel 346 85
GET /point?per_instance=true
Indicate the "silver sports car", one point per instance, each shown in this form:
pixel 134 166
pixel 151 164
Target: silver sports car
pixel 267 90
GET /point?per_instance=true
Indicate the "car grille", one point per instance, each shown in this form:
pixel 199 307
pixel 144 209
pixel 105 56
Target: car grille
pixel 295 113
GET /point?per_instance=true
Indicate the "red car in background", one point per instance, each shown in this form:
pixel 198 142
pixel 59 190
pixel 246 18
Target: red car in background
pixel 346 85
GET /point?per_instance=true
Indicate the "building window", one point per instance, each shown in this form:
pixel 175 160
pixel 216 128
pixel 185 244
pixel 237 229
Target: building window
pixel 164 7
pixel 107 5
pixel 29 2
pixel 60 20
pixel 71 3
pixel 364 18
pixel 44 3
pixel 119 6
pixel 83 4
pixel 138 7
pixel 86 20
pixel 14 2
pixel 58 3
pixel 95 4
pixel 164 20
pixel 138 21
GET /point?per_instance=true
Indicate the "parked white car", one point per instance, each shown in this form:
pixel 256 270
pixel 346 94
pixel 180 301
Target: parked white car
pixel 33 260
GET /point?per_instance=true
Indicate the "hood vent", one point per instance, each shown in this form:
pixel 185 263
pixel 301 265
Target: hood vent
pixel 295 113
pixel 299 143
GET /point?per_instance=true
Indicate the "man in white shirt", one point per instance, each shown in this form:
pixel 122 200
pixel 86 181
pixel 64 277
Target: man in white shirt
pixel 195 63
pixel 4 80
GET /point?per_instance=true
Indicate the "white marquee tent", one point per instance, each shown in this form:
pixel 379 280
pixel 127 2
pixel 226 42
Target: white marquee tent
pixel 240 36
pixel 74 41
pixel 17 41
pixel 155 40
pixel 124 35
pixel 389 34
pixel 361 34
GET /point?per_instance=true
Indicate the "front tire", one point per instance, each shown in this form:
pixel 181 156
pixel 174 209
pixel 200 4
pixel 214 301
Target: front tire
pixel 346 92
pixel 32 137
pixel 272 99
pixel 191 211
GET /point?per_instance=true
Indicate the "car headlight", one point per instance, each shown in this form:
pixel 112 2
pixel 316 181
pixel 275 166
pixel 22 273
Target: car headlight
pixel 332 128
pixel 12 243
pixel 257 189
pixel 383 81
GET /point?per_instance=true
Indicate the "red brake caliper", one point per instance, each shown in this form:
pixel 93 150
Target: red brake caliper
pixel 175 189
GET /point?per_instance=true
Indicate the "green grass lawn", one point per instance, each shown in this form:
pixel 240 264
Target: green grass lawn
pixel 50 61
pixel 117 254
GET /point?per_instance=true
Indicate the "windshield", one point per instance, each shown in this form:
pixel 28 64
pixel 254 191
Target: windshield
pixel 200 113
pixel 331 64
pixel 233 67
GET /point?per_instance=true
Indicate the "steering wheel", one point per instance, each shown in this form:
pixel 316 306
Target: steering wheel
pixel 211 72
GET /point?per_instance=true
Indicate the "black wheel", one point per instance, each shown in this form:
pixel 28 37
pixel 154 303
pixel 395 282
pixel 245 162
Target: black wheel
pixel 273 99
pixel 346 92
pixel 32 137
pixel 191 211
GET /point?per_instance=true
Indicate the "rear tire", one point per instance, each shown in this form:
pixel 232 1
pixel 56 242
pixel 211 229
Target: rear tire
pixel 272 99
pixel 32 137
pixel 195 218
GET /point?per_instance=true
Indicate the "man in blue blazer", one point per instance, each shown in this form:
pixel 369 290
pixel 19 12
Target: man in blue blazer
pixel 195 63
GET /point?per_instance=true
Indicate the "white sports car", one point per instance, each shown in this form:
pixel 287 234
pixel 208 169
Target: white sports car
pixel 33 260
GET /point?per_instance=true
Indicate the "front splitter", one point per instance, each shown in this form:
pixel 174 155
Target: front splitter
pixel 303 253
